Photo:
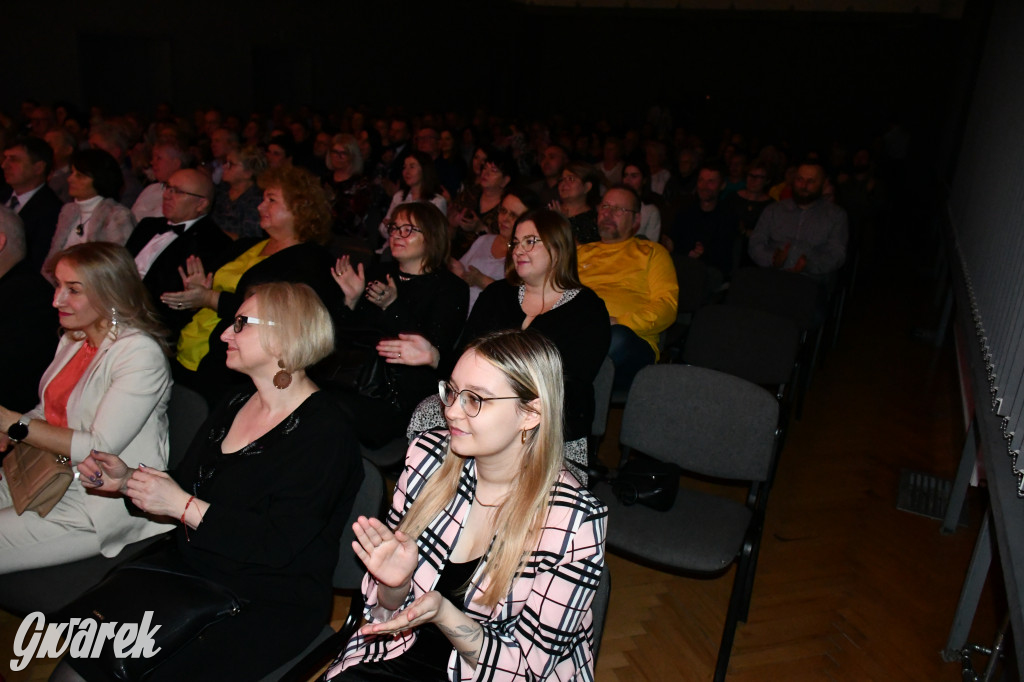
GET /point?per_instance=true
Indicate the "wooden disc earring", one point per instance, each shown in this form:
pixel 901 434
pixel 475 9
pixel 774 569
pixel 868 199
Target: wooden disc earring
pixel 282 379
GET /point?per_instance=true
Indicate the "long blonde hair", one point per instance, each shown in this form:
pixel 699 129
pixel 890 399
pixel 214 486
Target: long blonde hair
pixel 533 368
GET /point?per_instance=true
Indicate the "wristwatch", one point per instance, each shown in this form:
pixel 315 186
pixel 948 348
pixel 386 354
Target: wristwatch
pixel 18 431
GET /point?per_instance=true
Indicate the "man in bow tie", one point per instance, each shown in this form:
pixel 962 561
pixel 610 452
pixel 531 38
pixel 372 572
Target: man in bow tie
pixel 162 245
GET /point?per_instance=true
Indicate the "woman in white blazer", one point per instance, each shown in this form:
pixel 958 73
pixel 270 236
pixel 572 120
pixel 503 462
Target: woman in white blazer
pixel 106 389
pixel 94 215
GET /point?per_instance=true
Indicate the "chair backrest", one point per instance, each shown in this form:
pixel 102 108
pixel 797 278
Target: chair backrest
pixel 755 345
pixel 777 291
pixel 694 286
pixel 600 607
pixel 705 421
pixel 369 502
pixel 602 396
pixel 186 412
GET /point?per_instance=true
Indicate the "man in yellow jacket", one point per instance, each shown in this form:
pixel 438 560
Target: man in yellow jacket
pixel 636 279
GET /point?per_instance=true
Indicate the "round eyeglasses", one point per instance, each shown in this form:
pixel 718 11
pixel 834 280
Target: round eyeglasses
pixel 470 402
pixel 526 242
pixel 403 230
pixel 242 320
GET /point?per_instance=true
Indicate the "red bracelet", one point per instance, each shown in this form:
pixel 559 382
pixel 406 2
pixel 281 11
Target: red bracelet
pixel 183 512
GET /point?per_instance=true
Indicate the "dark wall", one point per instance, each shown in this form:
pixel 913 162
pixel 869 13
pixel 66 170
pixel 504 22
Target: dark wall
pixel 800 72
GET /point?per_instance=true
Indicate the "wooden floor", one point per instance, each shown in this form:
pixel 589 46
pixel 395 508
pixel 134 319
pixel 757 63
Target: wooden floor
pixel 848 588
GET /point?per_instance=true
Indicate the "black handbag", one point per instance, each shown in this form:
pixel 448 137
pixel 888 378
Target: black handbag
pixel 356 367
pixel 647 481
pixel 183 605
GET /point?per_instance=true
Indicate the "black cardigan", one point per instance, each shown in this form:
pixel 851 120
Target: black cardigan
pixel 580 329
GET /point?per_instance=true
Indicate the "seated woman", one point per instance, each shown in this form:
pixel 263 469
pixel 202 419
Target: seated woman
pixel 579 192
pixel 262 494
pixel 485 261
pixel 419 183
pixel 636 176
pixel 106 389
pixel 541 291
pixel 236 208
pixel 94 215
pixel 296 217
pixel 492 552
pixel 351 190
pixel 413 295
pixel 477 211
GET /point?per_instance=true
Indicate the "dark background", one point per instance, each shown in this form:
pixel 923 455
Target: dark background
pixel 788 72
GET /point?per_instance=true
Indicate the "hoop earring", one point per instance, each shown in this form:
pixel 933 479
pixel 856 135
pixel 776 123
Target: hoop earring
pixel 282 379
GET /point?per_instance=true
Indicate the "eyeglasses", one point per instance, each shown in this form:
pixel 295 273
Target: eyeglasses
pixel 339 152
pixel 570 178
pixel 403 230
pixel 506 212
pixel 177 191
pixel 242 320
pixel 470 402
pixel 614 210
pixel 527 243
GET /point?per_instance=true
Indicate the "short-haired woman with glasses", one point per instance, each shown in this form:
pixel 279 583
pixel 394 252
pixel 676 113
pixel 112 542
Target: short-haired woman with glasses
pixel 487 564
pixel 261 496
pixel 414 296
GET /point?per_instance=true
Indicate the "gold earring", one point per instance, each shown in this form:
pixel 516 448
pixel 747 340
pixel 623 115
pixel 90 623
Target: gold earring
pixel 523 437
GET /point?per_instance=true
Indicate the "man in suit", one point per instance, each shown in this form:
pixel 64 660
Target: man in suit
pixel 161 246
pixel 26 165
pixel 28 345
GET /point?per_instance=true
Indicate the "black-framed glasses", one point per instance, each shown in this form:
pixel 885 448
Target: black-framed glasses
pixel 403 230
pixel 177 191
pixel 470 402
pixel 242 320
pixel 526 242
pixel 614 210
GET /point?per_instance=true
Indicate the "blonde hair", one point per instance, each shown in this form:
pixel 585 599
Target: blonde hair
pixel 111 282
pixel 302 333
pixel 533 368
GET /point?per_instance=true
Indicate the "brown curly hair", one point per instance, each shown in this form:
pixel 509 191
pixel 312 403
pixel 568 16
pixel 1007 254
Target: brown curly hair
pixel 306 200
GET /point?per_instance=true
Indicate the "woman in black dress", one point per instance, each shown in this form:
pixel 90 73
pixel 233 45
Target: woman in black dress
pixel 262 494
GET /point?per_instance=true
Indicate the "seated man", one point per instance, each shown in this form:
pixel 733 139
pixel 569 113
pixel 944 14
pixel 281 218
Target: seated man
pixel 804 233
pixel 636 279
pixel 167 159
pixel 29 343
pixel 163 245
pixel 27 163
pixel 706 230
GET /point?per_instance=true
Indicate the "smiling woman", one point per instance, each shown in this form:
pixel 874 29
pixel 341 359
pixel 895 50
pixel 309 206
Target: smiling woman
pixel 448 596
pixel 106 389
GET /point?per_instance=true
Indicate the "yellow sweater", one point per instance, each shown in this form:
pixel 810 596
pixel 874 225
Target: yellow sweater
pixel 637 280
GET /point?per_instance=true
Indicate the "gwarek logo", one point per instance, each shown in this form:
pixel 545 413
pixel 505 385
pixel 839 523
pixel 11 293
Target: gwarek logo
pixel 82 638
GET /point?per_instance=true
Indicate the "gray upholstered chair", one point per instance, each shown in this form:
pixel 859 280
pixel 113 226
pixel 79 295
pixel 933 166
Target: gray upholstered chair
pixel 348 578
pixel 713 425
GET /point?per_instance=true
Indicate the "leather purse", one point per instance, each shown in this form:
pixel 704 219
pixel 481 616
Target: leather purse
pixel 647 481
pixel 37 478
pixel 182 604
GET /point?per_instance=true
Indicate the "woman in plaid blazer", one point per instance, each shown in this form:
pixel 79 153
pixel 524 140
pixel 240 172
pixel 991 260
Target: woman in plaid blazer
pixel 491 553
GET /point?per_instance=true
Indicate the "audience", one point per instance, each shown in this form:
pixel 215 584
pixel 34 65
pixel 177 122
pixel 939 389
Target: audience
pixel 419 183
pixel 490 556
pixel 578 194
pixel 26 165
pixel 804 233
pixel 238 196
pixel 706 230
pixel 262 495
pixel 27 297
pixel 167 159
pixel 351 190
pixel 415 306
pixel 635 278
pixel 106 389
pixel 94 215
pixel 113 139
pixel 636 176
pixel 162 246
pixel 63 144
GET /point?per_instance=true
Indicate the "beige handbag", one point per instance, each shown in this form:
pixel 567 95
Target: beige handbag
pixel 36 478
